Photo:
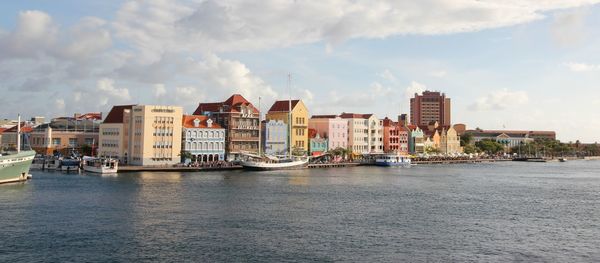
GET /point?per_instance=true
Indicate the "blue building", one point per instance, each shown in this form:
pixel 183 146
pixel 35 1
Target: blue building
pixel 203 138
pixel 275 137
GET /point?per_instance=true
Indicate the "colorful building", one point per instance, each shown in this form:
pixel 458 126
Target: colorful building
pixel 508 138
pixel 395 137
pixel 9 136
pixel 280 110
pixel 416 140
pixel 113 139
pixel 155 135
pixel 318 144
pixel 240 119
pixel 450 142
pixel 365 133
pixel 331 127
pixel 275 137
pixel 203 138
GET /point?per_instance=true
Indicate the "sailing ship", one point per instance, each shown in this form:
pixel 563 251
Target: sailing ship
pixel 394 160
pixel 15 163
pixel 265 162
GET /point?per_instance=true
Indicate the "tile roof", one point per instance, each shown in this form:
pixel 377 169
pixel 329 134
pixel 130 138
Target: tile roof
pixel 90 116
pixel 355 116
pixel 232 104
pixel 2 130
pixel 283 105
pixel 24 128
pixel 188 122
pixel 324 117
pixel 116 113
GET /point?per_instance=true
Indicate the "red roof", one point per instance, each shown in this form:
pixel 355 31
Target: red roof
pixel 355 116
pixel 283 105
pixel 116 114
pixel 2 130
pixel 24 128
pixel 188 122
pixel 230 105
pixel 90 116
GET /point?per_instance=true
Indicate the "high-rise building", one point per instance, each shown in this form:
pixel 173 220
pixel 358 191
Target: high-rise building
pixel 241 122
pixel 430 107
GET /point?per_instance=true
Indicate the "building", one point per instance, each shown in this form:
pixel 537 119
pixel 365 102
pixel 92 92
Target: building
pixel 114 133
pixel 240 119
pixel 450 142
pixel 155 135
pixel 318 144
pixel 395 137
pixel 365 133
pixel 416 142
pixel 9 136
pixel 430 107
pixel 203 138
pixel 280 110
pixel 331 127
pixel 275 137
pixel 508 138
pixel 67 135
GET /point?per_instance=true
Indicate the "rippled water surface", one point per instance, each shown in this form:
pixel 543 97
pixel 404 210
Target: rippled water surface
pixel 487 212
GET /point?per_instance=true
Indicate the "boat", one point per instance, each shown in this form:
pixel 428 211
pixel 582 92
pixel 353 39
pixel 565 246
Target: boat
pixel 562 160
pixel 262 162
pixel 100 165
pixel 52 163
pixel 530 159
pixel 38 162
pixel 394 160
pixel 269 163
pixel 15 163
pixel 69 164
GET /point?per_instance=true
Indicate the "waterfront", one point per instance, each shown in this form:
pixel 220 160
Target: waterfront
pixel 471 212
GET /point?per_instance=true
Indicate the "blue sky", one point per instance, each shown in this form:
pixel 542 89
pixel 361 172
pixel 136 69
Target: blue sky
pixel 513 64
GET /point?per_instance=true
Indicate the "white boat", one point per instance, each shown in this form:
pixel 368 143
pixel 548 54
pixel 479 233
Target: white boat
pixel 52 163
pixel 393 160
pixel 15 162
pixel 38 162
pixel 69 164
pixel 271 164
pixel 100 165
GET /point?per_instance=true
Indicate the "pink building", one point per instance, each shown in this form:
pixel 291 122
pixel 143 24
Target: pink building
pixel 332 127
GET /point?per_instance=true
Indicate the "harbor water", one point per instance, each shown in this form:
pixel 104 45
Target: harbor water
pixel 531 212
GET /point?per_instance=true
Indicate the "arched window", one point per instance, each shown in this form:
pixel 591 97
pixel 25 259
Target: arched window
pixel 187 145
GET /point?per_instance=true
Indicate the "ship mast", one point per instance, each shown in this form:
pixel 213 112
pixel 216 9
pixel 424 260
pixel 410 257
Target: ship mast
pixel 290 114
pixel 259 129
pixel 19 134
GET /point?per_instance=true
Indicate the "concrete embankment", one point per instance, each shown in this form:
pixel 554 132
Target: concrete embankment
pixel 460 161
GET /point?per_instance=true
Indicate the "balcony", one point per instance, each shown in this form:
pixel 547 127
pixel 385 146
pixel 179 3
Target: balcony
pixel 244 127
pixel 244 139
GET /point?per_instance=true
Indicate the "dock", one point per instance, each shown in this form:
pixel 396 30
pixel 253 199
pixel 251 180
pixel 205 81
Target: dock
pixel 132 169
pixel 467 161
pixel 332 165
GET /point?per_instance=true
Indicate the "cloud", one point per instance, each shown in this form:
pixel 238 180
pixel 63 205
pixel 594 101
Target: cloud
pixel 59 104
pixel 439 73
pixel 159 90
pixel 568 28
pixel 107 90
pixel 500 100
pixel 582 67
pixel 414 88
pixel 387 75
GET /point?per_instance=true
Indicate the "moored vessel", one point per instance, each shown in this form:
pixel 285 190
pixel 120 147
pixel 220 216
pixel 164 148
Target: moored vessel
pixel 38 162
pixel 273 163
pixel 393 160
pixel 100 165
pixel 69 164
pixel 15 163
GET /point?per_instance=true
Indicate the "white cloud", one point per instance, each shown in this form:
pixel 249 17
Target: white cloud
pixel 159 90
pixel 414 88
pixel 107 90
pixel 568 28
pixel 500 100
pixel 59 104
pixel 387 75
pixel 582 67
pixel 439 73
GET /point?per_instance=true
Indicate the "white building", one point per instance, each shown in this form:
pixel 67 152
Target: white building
pixel 203 138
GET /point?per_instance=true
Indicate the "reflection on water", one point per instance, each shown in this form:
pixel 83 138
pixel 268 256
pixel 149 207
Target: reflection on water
pixel 486 212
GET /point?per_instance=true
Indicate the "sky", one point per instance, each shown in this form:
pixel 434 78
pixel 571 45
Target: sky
pixel 510 64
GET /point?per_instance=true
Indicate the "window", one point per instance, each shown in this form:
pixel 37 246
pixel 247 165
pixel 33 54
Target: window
pixel 56 141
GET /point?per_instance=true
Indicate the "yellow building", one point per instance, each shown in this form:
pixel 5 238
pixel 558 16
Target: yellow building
pixel 155 135
pixel 299 133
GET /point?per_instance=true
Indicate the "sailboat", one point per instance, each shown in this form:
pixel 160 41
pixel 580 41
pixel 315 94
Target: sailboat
pixel 266 162
pixel 15 163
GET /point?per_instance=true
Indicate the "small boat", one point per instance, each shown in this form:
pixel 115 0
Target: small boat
pixel 38 162
pixel 562 160
pixel 100 165
pixel 269 163
pixel 394 160
pixel 52 163
pixel 69 164
pixel 530 159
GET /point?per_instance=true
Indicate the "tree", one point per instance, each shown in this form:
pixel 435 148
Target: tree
pixel 490 146
pixel 470 149
pixel 86 150
pixel 466 139
pixel 185 155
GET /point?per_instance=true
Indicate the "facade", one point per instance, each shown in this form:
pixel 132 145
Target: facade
pixel 508 138
pixel 113 136
pixel 67 135
pixel 395 137
pixel 365 133
pixel 240 119
pixel 450 142
pixel 318 144
pixel 155 135
pixel 275 137
pixel 430 107
pixel 203 138
pixel 332 127
pixel 416 141
pixel 9 135
pixel 299 116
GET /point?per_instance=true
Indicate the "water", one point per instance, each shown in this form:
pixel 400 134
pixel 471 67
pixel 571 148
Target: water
pixel 487 212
